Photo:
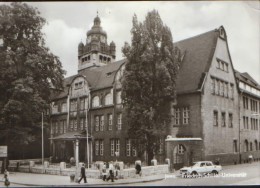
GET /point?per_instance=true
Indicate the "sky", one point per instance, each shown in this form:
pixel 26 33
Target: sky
pixel 68 23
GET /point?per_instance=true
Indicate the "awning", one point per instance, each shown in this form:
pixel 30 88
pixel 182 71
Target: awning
pixel 73 135
pixel 170 138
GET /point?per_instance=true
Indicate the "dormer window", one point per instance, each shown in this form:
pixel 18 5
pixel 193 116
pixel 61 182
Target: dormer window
pixel 78 85
pixel 95 101
pixel 222 65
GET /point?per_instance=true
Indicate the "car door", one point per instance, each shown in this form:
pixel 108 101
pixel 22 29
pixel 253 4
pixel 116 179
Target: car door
pixel 209 167
pixel 202 168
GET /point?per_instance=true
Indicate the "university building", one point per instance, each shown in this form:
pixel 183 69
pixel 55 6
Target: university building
pixel 216 114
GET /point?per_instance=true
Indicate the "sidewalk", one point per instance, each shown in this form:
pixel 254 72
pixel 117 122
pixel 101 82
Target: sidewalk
pixel 46 180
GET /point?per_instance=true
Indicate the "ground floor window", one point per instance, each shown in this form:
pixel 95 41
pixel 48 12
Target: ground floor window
pixel 178 153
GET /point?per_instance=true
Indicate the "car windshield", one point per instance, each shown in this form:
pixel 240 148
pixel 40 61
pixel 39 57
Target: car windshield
pixel 195 164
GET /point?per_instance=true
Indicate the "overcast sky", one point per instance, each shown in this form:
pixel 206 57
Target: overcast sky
pixel 68 23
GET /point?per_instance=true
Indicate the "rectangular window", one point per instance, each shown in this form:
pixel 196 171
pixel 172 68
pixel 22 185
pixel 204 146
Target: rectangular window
pixel 61 127
pixel 128 147
pixel 235 149
pixel 101 144
pixel 223 119
pixel 97 123
pixel 101 123
pixel 71 124
pixel 119 121
pixel 82 104
pixel 82 123
pixel 217 87
pixel 230 120
pixel 215 114
pixel 118 97
pixel 96 147
pixel 231 91
pixel 73 105
pixel 212 85
pixel 64 126
pixel 176 116
pixel 64 107
pixel 186 115
pixel 57 127
pixel 134 152
pixel 117 146
pixel 54 108
pixel 112 147
pixel 110 121
pixel 221 88
pixel 75 125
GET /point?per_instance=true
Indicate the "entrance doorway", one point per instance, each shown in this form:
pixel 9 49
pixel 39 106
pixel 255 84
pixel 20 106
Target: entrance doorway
pixel 178 156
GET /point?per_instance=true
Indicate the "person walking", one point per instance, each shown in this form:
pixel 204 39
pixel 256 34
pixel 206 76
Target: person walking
pixel 138 169
pixel 104 172
pixel 6 178
pixel 111 172
pixel 83 174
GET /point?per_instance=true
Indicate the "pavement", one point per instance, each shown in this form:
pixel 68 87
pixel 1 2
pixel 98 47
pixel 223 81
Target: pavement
pixel 46 180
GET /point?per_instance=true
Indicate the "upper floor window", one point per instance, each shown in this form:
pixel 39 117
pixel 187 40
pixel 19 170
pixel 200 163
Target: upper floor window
pixel 82 120
pixel 118 97
pixel 97 123
pixel 82 103
pixel 215 118
pixel 176 116
pixel 64 107
pixel 231 91
pixel 95 101
pixel 222 65
pixel 54 108
pixel 230 120
pixel 78 85
pixel 223 119
pixel 73 105
pixel 186 115
pixel 110 121
pixel 101 123
pixel 119 121
pixel 108 99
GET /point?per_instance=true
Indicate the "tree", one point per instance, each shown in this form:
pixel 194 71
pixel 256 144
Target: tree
pixel 28 70
pixel 149 82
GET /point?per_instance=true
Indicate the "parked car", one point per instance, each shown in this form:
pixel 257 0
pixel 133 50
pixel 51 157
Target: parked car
pixel 200 168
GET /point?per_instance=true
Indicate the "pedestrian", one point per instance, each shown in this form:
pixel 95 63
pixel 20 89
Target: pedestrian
pixel 216 161
pixel 104 172
pixel 83 174
pixel 111 172
pixel 138 169
pixel 6 178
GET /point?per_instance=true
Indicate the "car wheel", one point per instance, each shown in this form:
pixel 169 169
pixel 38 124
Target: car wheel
pixel 214 172
pixel 194 174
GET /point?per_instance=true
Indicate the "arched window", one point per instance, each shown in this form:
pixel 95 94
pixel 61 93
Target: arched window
pixel 108 99
pixel 95 101
pixel 246 146
pixel 256 148
pixel 251 146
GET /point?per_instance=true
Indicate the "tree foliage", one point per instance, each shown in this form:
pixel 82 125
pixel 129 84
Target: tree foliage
pixel 149 82
pixel 27 72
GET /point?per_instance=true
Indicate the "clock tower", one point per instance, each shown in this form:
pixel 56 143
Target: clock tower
pixel 96 52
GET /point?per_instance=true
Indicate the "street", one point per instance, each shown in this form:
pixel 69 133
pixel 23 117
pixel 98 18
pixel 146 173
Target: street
pixel 251 172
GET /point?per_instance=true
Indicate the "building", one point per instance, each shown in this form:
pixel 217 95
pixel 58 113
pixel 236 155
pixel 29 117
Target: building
pixel 86 117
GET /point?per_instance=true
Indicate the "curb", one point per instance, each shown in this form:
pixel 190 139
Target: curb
pixel 81 185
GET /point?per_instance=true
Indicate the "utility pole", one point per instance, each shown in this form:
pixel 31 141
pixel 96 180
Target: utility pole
pixel 42 145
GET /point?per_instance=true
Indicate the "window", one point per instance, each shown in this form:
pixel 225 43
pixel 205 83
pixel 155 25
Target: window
pixel 176 116
pixel 212 85
pixel 180 149
pixel 230 120
pixel 78 85
pixel 64 126
pixel 117 146
pixel 128 147
pixel 222 65
pixel 95 101
pixel 108 99
pixel 54 108
pixel 134 152
pixel 101 123
pixel 82 104
pixel 235 146
pixel 245 102
pixel 82 123
pixel 221 88
pixel 215 114
pixel 101 145
pixel 97 123
pixel 96 147
pixel 251 146
pixel 75 125
pixel 118 97
pixel 112 147
pixel 231 91
pixel 223 119
pixel 110 121
pixel 119 121
pixel 245 146
pixel 217 87
pixel 61 127
pixel 73 105
pixel 57 127
pixel 186 115
pixel 64 107
pixel 71 124
pixel 256 148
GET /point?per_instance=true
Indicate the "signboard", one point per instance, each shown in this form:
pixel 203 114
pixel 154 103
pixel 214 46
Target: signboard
pixel 3 151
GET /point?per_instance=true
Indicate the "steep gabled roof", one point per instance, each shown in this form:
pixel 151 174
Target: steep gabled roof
pixel 198 55
pixel 245 77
